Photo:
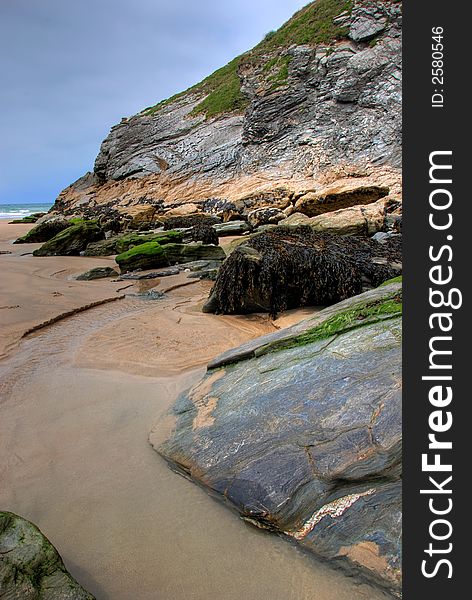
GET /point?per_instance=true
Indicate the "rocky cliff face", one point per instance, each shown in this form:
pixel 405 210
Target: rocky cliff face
pixel 316 101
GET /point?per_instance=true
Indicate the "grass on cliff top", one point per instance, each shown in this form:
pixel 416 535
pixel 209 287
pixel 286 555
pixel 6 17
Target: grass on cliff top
pixel 352 318
pixel 312 25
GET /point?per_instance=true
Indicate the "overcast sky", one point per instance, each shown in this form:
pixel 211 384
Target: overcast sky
pixel 70 69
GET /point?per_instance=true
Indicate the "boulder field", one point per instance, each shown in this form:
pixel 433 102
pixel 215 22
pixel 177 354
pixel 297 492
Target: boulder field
pixel 300 432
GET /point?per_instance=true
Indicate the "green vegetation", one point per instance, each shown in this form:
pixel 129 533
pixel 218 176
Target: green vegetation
pixel 312 25
pixel 81 220
pixel 153 249
pixel 280 76
pixel 398 279
pixel 124 242
pixel 352 318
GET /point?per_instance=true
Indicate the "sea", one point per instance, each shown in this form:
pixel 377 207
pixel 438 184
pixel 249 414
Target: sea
pixel 18 211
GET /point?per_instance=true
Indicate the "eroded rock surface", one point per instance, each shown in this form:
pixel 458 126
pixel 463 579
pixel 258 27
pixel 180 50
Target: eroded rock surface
pixel 30 567
pixel 300 431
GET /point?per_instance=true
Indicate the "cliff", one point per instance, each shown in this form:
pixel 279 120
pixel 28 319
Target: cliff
pixel 315 102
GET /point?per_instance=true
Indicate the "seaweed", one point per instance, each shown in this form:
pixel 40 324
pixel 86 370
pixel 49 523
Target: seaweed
pixel 290 267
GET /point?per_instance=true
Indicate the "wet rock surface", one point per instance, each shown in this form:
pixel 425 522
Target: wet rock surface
pixel 30 567
pixel 300 432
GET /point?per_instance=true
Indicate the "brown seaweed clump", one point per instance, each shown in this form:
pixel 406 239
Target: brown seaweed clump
pixel 190 221
pixel 291 267
pixel 202 232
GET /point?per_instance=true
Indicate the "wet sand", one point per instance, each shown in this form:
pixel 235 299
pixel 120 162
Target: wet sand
pixel 78 401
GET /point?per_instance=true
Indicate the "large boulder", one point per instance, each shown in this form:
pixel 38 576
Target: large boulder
pixel 153 255
pixel 30 567
pixel 71 241
pixel 339 196
pixel 289 267
pixel 43 232
pixel 121 243
pixel 300 432
pixel 357 220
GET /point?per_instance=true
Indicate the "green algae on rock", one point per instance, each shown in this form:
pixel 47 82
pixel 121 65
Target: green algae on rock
pixel 71 241
pixel 122 243
pixel 30 566
pixel 306 441
pixel 152 255
pixel 43 232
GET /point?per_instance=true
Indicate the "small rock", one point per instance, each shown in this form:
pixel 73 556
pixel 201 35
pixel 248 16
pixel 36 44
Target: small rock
pixel 97 273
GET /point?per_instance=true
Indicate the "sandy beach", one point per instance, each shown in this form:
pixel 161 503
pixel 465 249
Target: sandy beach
pixel 79 398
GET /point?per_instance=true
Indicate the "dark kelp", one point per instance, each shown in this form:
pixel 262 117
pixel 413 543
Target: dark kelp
pixel 290 267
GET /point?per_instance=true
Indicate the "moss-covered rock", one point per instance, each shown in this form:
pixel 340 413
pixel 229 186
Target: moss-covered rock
pixel 153 254
pixel 145 256
pixel 28 219
pixel 30 566
pixel 71 241
pixel 122 243
pixel 43 232
pixel 184 253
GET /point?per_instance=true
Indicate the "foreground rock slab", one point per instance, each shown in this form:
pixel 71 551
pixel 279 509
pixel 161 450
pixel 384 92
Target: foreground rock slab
pixel 30 567
pixel 300 432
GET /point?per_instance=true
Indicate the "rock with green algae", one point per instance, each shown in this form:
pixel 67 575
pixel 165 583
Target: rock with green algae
pixel 153 255
pixel 300 432
pixel 43 232
pixel 97 273
pixel 30 566
pixel 145 256
pixel 122 243
pixel 71 241
pixel 28 219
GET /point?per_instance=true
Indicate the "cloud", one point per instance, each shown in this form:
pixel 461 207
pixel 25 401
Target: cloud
pixel 70 70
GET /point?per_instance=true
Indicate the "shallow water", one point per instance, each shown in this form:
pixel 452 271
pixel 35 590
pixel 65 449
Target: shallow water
pixel 77 462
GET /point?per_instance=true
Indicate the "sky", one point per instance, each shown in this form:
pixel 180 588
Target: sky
pixel 70 69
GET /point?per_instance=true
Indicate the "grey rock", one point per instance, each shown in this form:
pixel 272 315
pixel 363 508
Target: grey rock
pixel 367 21
pixel 231 228
pixel 383 236
pixel 302 435
pixel 97 273
pixel 30 567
